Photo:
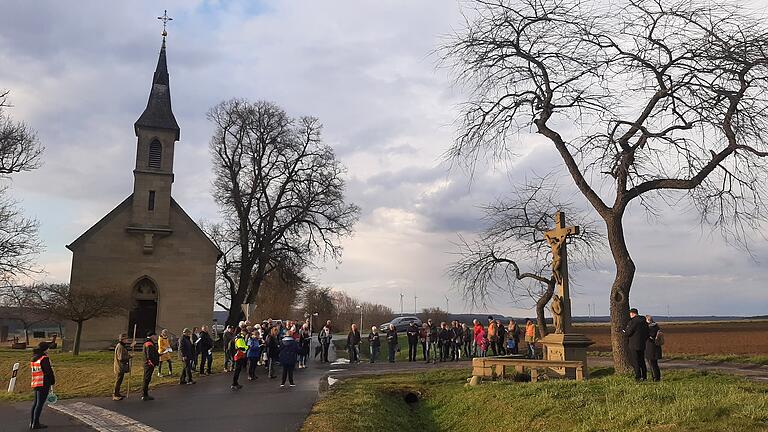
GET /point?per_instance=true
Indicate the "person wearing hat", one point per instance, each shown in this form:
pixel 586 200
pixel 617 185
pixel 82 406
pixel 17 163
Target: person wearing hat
pixel 42 380
pixel 121 364
pixel 186 355
pixel 637 333
pixel 151 359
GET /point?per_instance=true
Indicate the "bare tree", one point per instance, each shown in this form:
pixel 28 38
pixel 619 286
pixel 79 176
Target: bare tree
pixel 280 190
pixel 643 100
pixel 20 151
pixel 61 302
pixel 514 238
pixel 228 266
pixel 317 300
pixel 19 243
pixel 19 303
pixel 435 313
pixel 279 293
pixel 375 314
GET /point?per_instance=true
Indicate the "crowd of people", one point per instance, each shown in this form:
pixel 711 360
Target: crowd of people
pixel 248 346
pixel 245 348
pixel 446 341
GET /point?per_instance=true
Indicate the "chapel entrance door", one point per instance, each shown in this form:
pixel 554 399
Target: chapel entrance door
pixel 144 312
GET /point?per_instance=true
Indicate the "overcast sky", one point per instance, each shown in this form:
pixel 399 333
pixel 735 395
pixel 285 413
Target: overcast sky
pixel 80 74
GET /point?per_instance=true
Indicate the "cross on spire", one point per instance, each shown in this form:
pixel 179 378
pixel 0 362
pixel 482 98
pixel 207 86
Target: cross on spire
pixel 165 18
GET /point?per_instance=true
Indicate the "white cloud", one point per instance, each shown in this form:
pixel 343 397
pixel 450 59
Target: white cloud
pixel 365 69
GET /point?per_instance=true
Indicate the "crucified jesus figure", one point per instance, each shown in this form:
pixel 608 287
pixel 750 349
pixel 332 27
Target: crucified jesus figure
pixel 556 243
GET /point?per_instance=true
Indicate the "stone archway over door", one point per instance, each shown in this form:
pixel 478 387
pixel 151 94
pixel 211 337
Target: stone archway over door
pixel 144 312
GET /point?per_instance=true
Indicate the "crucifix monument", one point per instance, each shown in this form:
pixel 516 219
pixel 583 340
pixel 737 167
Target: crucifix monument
pixel 557 239
pixel 563 344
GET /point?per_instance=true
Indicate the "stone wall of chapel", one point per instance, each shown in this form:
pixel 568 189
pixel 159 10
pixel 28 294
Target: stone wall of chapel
pixel 183 265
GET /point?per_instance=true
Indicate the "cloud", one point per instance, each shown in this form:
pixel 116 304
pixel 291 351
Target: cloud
pixel 80 74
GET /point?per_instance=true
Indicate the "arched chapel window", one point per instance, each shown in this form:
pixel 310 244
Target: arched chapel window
pixel 155 154
pixel 145 290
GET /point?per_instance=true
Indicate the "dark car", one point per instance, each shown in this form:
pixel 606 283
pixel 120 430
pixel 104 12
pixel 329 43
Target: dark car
pixel 401 323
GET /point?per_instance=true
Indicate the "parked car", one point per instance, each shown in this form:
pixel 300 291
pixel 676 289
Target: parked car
pixel 401 323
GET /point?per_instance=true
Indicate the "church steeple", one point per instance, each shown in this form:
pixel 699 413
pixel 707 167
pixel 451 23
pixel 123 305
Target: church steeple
pixel 158 113
pixel 157 133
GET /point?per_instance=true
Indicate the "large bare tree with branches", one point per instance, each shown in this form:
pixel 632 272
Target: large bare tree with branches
pixel 20 151
pixel 644 101
pixel 512 257
pixel 280 190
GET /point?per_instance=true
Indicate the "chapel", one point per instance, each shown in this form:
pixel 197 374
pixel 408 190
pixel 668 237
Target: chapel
pixel 148 245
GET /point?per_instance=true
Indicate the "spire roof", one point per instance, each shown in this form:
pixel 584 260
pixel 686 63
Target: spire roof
pixel 158 113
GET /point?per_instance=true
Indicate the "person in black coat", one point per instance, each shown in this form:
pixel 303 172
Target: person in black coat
pixel 374 343
pixel 446 337
pixel 42 380
pixel 457 341
pixel 186 354
pixel 413 341
pixel 204 347
pixel 289 351
pixel 273 351
pixel 653 347
pixel 392 342
pixel 353 344
pixel 151 359
pixel 637 334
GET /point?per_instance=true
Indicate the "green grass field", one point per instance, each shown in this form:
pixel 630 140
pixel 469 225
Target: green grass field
pixel 684 401
pixel 725 358
pixel 86 375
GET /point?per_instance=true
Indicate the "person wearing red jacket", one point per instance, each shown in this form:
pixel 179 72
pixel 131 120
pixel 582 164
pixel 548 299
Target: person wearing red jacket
pixel 476 336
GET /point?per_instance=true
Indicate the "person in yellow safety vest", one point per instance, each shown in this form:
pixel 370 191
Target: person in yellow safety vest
pixel 241 346
pixel 42 380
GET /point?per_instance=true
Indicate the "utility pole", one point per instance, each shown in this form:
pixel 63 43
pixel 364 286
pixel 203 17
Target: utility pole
pixel 415 311
pixel 401 303
pixel 446 304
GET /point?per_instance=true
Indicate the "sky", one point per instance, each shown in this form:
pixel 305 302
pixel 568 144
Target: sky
pixel 80 73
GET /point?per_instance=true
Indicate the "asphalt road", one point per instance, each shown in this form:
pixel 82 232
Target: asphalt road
pixel 209 405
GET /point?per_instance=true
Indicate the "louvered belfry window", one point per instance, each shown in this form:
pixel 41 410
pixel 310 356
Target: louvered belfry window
pixel 155 154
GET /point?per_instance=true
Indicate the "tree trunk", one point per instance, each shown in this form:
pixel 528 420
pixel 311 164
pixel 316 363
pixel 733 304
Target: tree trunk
pixel 541 305
pixel 235 314
pixel 78 334
pixel 619 301
pixel 26 335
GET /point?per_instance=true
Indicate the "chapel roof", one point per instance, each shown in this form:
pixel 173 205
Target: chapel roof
pixel 158 113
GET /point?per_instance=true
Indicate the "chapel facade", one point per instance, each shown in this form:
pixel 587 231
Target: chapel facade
pixel 147 245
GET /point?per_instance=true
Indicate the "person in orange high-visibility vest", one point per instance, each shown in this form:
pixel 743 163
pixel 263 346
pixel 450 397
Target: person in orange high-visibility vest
pixel 530 337
pixel 42 380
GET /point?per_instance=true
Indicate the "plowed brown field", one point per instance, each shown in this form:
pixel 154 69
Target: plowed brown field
pixel 731 337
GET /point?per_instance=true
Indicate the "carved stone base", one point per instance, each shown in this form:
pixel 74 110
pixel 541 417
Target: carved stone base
pixel 566 346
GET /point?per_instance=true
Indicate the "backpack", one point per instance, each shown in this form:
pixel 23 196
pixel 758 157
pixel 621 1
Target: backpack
pixel 659 340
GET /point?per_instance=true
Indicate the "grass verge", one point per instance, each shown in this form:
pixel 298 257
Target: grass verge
pixel 684 401
pixel 723 358
pixel 87 375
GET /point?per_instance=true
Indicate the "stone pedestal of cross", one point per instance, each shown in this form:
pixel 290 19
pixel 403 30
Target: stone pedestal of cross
pixel 563 343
